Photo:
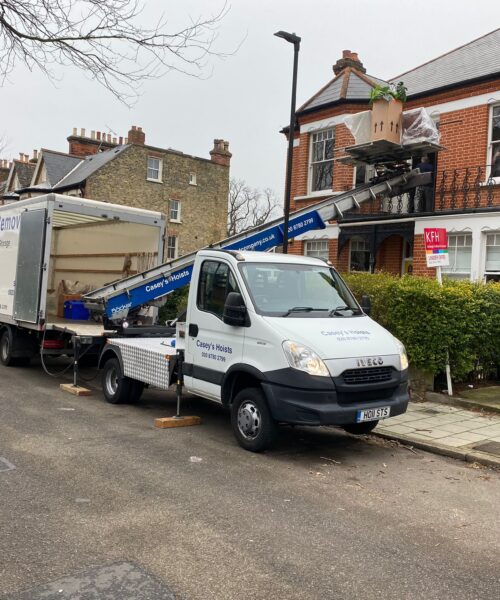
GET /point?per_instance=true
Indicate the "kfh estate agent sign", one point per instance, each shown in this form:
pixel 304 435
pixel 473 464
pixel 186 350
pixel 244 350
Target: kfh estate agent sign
pixel 436 247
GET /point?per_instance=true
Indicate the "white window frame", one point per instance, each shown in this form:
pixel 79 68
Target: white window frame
pixel 491 143
pixel 462 274
pixel 174 247
pixel 176 219
pixel 311 163
pixel 359 239
pixel 310 250
pixel 160 169
pixel 192 179
pixel 486 246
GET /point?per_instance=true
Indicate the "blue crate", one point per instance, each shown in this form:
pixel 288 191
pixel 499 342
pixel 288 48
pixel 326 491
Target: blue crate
pixel 75 310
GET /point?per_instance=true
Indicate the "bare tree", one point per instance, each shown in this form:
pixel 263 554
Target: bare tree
pixel 104 38
pixel 249 207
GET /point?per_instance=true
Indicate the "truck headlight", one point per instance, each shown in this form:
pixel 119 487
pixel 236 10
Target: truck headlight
pixel 304 359
pixel 403 357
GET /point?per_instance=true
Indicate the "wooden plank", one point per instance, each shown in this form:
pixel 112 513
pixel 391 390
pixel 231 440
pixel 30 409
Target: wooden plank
pixel 76 390
pixel 103 255
pixel 168 422
pixel 106 271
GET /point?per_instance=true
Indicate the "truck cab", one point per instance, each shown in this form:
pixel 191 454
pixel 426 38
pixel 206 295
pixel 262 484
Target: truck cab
pixel 281 339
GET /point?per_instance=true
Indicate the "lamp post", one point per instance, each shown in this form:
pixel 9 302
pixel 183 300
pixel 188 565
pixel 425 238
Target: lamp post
pixel 295 40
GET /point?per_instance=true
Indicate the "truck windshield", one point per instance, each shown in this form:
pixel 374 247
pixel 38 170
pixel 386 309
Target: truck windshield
pixel 298 290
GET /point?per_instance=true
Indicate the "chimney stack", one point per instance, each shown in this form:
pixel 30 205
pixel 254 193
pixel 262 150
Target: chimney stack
pixel 220 153
pixel 35 156
pixel 349 59
pixel 136 136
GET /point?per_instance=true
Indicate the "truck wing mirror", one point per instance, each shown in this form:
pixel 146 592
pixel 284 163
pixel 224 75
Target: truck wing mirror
pixel 366 304
pixel 235 311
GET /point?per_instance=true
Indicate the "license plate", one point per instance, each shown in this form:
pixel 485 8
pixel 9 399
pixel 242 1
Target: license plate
pixel 373 414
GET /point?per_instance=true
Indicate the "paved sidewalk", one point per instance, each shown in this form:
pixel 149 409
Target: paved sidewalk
pixel 448 430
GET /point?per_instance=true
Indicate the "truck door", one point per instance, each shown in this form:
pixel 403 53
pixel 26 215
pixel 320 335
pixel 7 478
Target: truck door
pixel 211 345
pixel 29 265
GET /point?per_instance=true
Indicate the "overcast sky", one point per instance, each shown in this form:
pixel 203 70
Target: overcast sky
pixel 246 100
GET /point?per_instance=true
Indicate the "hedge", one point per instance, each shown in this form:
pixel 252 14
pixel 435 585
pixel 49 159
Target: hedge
pixel 460 317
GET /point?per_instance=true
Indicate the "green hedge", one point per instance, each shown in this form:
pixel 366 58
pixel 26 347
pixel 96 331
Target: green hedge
pixel 460 317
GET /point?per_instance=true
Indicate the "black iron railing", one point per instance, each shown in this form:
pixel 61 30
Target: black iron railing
pixel 462 189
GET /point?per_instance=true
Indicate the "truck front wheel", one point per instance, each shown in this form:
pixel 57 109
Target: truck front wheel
pixel 360 428
pixel 115 385
pixel 251 420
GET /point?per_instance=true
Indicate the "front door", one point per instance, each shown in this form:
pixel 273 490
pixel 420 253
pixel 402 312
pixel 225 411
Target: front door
pixel 211 345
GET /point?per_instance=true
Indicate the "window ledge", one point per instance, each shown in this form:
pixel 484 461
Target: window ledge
pixel 154 180
pixel 194 184
pixel 175 221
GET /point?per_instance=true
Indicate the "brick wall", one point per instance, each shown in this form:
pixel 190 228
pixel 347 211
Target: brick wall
pixel 419 261
pixel 343 259
pixel 203 207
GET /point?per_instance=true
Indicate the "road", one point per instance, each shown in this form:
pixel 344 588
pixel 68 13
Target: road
pixel 93 497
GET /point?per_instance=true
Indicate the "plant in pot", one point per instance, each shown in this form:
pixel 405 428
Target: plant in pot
pixel 387 109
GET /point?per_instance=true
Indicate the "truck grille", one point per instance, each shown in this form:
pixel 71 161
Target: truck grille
pixel 371 375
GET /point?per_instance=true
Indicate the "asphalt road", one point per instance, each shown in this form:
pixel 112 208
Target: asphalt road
pixel 97 504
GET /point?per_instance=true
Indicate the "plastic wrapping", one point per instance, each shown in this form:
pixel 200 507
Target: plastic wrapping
pixel 359 125
pixel 419 127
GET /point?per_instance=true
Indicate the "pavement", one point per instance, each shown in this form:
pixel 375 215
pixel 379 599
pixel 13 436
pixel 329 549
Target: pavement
pixel 97 504
pixel 449 430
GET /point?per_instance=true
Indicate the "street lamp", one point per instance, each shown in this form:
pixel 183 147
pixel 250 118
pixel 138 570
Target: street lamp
pixel 295 40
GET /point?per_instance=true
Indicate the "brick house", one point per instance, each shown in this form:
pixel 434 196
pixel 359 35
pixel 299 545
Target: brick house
pixel 460 90
pixel 190 190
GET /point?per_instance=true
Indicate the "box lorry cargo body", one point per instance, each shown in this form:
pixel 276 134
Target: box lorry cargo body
pixel 54 248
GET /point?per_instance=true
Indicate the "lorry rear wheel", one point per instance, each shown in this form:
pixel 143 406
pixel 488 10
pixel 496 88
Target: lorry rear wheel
pixel 115 385
pixel 360 428
pixel 6 349
pixel 251 420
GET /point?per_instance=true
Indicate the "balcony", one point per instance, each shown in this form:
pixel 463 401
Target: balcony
pixel 466 189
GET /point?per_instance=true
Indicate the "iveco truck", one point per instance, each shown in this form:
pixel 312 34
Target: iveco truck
pixel 274 338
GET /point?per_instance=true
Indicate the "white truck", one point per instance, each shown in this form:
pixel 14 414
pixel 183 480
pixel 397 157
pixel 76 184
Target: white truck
pixel 276 339
pixel 51 240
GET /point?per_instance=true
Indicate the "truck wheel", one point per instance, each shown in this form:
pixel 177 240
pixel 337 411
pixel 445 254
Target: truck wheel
pixel 115 386
pixel 6 349
pixel 360 428
pixel 253 425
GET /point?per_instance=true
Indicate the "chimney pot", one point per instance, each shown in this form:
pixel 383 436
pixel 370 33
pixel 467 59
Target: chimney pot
pixel 120 140
pixel 92 135
pixel 74 131
pixel 114 140
pixel 349 59
pixel 136 136
pixel 21 156
pixel 220 153
pixel 98 134
pixel 126 140
pixel 82 132
pixel 35 154
pixel 109 137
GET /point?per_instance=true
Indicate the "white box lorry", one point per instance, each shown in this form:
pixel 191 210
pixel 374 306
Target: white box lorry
pixel 53 239
pixel 276 339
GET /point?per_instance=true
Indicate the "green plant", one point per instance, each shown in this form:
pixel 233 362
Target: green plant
pixel 388 92
pixel 459 317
